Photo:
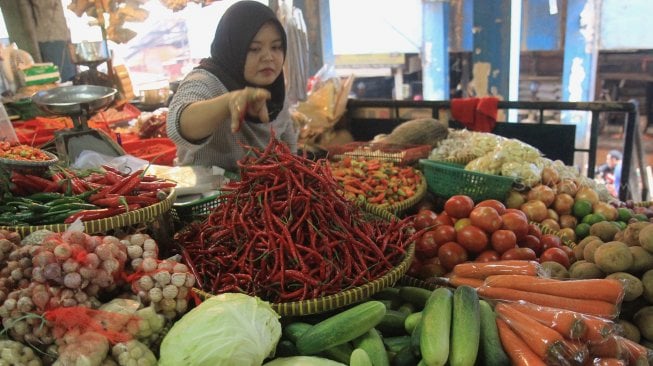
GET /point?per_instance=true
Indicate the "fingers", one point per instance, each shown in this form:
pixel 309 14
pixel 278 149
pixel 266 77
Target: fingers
pixel 248 101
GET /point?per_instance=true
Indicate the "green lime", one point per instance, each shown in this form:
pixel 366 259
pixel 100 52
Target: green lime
pixel 582 208
pixel 582 230
pixel 593 218
pixel 624 214
pixel 640 217
pixel 620 224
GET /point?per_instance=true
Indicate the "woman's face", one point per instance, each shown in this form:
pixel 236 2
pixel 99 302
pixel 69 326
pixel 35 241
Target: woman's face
pixel 264 60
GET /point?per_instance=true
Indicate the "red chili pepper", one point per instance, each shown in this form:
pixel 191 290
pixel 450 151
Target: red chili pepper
pixel 153 186
pixel 127 184
pixel 88 215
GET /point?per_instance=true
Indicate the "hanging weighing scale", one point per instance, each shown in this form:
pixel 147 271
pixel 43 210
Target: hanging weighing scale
pixel 79 102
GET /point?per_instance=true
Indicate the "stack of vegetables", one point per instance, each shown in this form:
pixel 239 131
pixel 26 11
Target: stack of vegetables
pixel 86 299
pixel 285 233
pixel 376 181
pixel 64 195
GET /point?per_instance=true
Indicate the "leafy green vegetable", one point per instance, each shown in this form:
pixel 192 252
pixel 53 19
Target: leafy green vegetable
pixel 228 329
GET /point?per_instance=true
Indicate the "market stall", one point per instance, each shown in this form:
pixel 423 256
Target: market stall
pixel 435 243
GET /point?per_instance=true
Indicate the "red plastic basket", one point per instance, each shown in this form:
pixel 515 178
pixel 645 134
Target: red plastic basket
pixel 160 151
pixel 401 154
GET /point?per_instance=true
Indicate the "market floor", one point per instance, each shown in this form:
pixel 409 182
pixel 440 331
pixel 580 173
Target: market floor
pixel 612 138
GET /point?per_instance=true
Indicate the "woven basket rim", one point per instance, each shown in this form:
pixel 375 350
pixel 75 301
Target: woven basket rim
pixel 28 164
pixel 342 299
pixel 398 207
pixel 141 215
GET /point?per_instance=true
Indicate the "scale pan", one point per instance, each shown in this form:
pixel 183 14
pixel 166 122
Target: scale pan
pixel 74 100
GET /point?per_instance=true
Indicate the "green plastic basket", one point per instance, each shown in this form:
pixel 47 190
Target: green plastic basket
pixel 448 179
pixel 194 210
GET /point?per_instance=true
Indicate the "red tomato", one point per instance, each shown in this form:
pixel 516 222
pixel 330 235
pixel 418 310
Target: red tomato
pixel 534 230
pixel 444 233
pixel 443 219
pixel 517 211
pixel 450 254
pixel 414 269
pixel 502 240
pixel 458 206
pixel 461 223
pixel 426 246
pixel 532 242
pixel 488 256
pixel 485 217
pixel 517 223
pixel 550 241
pixel 519 253
pixel 495 204
pixel 472 238
pixel 570 253
pixel 424 219
pixel 431 267
pixel 555 255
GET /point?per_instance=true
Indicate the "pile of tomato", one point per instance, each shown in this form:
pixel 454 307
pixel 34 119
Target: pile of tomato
pixel 484 231
pixel 17 151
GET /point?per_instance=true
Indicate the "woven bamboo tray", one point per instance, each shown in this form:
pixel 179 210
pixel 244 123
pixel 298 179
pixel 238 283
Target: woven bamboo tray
pixel 347 297
pixel 339 300
pixel 408 203
pixel 145 214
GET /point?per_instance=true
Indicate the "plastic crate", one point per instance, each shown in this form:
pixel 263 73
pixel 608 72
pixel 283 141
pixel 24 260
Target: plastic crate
pixel 401 154
pixel 447 179
pixel 195 210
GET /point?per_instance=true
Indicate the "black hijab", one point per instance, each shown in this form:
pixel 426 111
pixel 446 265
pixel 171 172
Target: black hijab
pixel 235 31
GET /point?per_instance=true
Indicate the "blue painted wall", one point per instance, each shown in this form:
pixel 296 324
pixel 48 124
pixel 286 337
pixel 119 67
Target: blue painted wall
pixel 540 29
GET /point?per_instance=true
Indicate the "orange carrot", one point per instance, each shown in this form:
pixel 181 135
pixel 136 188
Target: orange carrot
pixel 608 348
pixel 566 322
pixel 637 354
pixel 591 307
pixel 518 351
pixel 598 329
pixel 484 269
pixel 456 281
pixel 544 341
pixel 604 289
pixel 608 362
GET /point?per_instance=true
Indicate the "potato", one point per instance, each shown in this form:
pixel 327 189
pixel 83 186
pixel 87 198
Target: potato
pixel 647 282
pixel 629 308
pixel 590 248
pixel 631 232
pixel 588 239
pixel 585 269
pixel 629 330
pixel 633 286
pixel 553 269
pixel 642 260
pixel 643 319
pixel 604 230
pixel 646 238
pixel 613 256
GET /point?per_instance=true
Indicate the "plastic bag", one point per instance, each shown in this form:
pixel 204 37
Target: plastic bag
pixel 91 159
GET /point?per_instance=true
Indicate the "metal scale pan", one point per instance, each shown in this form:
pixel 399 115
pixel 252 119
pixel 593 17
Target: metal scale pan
pixel 79 102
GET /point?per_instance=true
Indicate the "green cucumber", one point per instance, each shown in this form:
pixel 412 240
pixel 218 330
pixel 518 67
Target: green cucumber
pixel 341 328
pixel 396 344
pixel 491 349
pixel 411 322
pixel 392 323
pixel 360 358
pixel 436 327
pixel 372 343
pixel 340 353
pixel 415 295
pixel 407 308
pixel 405 357
pixel 465 327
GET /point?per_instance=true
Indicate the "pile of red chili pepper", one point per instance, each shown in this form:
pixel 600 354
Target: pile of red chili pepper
pixel 66 195
pixel 284 232
pixel 17 151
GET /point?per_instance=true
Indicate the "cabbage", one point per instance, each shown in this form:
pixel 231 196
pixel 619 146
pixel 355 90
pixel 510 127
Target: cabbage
pixel 228 329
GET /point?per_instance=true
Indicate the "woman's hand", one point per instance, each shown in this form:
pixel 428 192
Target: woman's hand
pixel 250 101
